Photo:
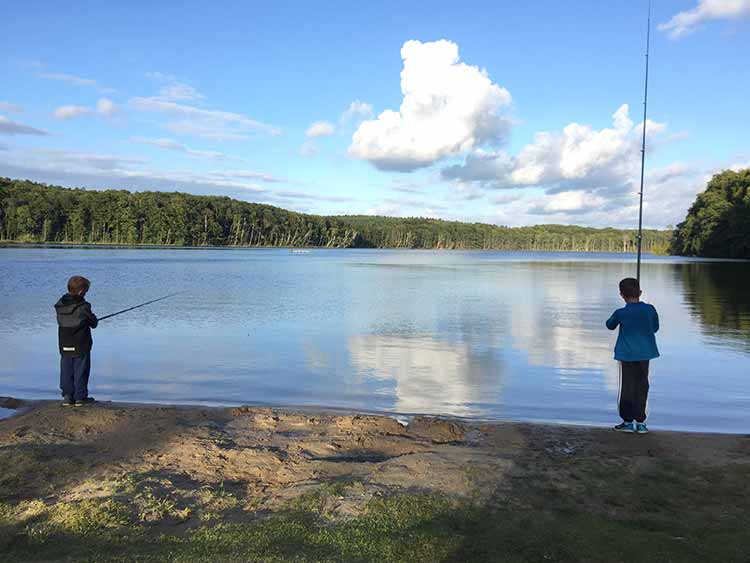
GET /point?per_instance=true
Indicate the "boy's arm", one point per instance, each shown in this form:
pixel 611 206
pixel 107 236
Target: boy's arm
pixel 655 320
pixel 613 321
pixel 91 319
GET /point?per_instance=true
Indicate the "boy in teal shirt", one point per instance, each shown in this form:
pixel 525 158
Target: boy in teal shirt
pixel 635 347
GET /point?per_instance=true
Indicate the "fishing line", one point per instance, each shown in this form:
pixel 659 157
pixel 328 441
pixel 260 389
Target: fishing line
pixel 141 305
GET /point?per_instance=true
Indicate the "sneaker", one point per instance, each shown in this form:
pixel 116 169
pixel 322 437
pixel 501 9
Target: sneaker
pixel 641 428
pixel 625 427
pixel 67 401
pixel 86 401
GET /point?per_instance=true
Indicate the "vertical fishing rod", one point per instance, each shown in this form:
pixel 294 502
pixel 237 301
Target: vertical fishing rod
pixel 643 149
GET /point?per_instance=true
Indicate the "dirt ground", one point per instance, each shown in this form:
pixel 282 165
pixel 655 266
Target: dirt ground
pixel 180 468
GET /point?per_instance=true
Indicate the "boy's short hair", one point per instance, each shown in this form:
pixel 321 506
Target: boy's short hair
pixel 629 287
pixel 77 283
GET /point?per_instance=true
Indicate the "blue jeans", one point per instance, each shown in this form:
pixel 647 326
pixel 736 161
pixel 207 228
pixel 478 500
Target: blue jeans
pixel 74 376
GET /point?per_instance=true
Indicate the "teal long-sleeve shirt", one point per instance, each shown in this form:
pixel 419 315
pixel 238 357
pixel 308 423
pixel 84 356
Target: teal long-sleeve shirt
pixel 636 341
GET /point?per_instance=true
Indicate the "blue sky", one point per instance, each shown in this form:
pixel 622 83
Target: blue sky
pixel 496 112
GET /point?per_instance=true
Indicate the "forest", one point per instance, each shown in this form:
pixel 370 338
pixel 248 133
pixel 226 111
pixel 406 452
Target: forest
pixel 718 223
pixel 37 213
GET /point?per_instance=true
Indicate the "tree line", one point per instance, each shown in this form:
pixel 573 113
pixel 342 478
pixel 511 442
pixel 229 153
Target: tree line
pixel 718 223
pixel 34 212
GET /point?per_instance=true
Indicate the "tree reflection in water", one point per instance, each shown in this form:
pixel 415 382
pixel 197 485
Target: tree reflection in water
pixel 718 296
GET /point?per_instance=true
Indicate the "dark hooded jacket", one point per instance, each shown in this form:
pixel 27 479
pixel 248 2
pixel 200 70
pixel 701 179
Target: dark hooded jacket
pixel 75 321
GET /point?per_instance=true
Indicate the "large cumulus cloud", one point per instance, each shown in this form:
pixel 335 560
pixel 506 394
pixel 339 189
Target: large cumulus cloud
pixel 578 157
pixel 448 108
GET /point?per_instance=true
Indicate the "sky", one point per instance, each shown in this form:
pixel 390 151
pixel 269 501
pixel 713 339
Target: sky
pixel 497 112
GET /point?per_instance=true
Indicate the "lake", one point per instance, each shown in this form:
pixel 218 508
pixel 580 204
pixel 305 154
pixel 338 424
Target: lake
pixel 484 335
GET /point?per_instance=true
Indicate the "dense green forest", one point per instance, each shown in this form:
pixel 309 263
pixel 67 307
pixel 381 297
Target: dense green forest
pixel 718 223
pixel 32 212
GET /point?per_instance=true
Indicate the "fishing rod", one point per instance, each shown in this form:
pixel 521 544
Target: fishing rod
pixel 141 305
pixel 643 149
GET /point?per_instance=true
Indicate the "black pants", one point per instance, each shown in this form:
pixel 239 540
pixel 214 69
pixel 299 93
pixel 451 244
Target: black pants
pixel 74 376
pixel 633 390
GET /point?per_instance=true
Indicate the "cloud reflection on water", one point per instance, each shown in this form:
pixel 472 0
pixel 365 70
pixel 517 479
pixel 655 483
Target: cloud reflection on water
pixel 430 376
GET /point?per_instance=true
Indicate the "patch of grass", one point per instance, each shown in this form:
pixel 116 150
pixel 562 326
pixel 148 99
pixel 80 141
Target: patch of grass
pixel 80 519
pixel 26 470
pixel 89 516
pixel 315 501
pixel 659 510
pixel 405 527
pixel 218 498
pixel 33 525
pixel 153 508
pixel 207 516
pixel 16 464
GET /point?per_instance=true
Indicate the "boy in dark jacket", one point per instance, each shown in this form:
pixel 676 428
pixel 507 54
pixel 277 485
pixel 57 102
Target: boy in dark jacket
pixel 636 345
pixel 75 321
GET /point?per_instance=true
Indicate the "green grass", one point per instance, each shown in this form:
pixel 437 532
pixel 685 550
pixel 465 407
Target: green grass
pixel 405 527
pixel 18 462
pixel 583 509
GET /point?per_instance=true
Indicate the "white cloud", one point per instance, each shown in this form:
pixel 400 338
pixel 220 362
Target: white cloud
pixel 208 123
pixel 466 192
pixel 161 143
pixel 578 157
pixel 106 107
pixel 175 89
pixel 505 198
pixel 571 202
pixel 581 175
pixel 43 159
pixel 320 129
pixel 408 188
pixel 92 170
pixel 14 108
pixel 686 22
pixel 70 112
pixel 668 193
pixel 262 176
pixel 407 207
pixel 72 79
pixel 170 144
pixel 385 210
pixel 448 109
pixel 9 127
pixel 179 91
pixel 75 80
pixel 205 131
pixel 356 112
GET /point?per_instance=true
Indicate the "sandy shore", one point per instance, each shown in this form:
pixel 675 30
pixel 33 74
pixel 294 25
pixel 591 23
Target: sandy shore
pixel 179 471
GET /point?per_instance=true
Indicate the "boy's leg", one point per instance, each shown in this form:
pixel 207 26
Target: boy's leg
pixel 66 376
pixel 628 374
pixel 85 375
pixel 641 391
pixel 81 377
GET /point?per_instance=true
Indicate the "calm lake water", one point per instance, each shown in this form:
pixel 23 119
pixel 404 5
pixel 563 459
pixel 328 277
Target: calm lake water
pixel 488 335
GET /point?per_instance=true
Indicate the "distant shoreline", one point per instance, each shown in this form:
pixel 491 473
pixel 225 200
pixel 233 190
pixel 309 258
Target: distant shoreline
pixel 102 245
pixel 36 212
